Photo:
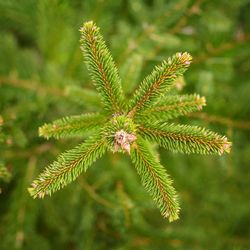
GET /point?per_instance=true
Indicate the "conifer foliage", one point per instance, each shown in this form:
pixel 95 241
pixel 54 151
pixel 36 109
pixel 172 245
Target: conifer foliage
pixel 129 126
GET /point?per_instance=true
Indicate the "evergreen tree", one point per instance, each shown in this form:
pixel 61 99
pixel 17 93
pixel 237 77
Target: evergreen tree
pixel 42 78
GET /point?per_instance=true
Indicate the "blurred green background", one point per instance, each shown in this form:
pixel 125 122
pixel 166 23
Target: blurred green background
pixel 43 77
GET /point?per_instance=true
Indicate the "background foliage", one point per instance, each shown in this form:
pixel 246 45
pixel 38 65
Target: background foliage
pixel 43 77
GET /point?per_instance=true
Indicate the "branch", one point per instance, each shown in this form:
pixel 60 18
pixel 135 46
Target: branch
pixel 222 120
pixel 224 47
pixel 158 82
pixel 155 180
pixel 92 193
pixel 68 167
pixel 183 20
pixel 102 68
pixel 72 92
pixel 185 139
pixel 173 106
pixel 32 85
pixel 71 126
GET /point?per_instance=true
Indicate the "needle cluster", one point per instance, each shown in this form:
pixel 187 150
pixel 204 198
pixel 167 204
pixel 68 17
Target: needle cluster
pixel 130 126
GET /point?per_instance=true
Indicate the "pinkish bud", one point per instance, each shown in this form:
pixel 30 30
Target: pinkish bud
pixel 116 147
pixel 120 136
pixel 131 137
pixel 123 139
pixel 126 147
pixel 226 146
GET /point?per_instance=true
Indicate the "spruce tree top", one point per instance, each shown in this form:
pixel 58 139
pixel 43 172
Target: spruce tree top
pixel 129 126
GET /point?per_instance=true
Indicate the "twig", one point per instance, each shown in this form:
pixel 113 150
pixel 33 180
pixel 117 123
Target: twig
pixel 222 120
pixel 30 85
pixel 194 9
pixel 21 153
pixel 227 46
pixel 22 210
pixel 149 29
pixel 124 200
pixel 91 192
